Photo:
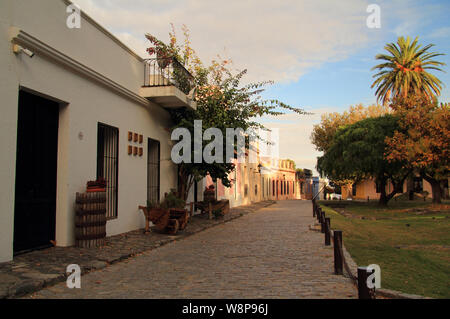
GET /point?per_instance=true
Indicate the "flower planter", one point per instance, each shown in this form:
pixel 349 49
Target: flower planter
pixel 95 189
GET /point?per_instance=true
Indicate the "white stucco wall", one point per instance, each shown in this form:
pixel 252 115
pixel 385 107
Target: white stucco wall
pixel 84 103
pixel 8 133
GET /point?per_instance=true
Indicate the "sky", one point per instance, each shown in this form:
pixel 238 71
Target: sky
pixel 318 53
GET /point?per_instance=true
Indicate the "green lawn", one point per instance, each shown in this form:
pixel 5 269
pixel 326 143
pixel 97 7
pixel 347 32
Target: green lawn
pixel 412 248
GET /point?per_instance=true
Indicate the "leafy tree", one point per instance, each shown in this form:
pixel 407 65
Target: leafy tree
pixel 323 133
pixel 423 139
pixel 357 153
pixel 404 70
pixel 222 102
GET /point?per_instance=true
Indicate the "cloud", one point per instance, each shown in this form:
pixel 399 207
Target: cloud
pixel 274 40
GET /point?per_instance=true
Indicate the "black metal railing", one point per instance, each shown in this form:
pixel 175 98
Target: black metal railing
pixel 166 72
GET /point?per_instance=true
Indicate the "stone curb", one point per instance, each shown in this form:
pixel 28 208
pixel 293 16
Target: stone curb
pixel 41 281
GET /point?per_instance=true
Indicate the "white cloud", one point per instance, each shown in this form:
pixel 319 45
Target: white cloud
pixel 275 40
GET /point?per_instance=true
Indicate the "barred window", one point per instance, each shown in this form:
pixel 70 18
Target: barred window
pixel 108 164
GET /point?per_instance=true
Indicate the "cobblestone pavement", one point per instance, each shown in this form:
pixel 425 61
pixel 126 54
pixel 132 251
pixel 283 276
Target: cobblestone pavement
pixel 33 271
pixel 270 253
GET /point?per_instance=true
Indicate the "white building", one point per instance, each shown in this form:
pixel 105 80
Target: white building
pixel 66 116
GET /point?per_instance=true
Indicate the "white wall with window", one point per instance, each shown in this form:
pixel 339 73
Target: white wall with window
pixel 95 81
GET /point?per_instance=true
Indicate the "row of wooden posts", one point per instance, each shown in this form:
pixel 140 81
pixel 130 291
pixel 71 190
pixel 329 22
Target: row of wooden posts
pixel 339 259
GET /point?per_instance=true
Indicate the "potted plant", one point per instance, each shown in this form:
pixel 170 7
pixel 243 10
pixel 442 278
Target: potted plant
pixel 172 201
pixel 169 215
pixel 164 54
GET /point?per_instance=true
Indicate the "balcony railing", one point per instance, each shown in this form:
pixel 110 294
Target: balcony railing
pixel 167 72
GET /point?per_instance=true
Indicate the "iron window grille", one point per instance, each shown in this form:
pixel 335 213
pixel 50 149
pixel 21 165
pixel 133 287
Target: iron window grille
pixel 108 165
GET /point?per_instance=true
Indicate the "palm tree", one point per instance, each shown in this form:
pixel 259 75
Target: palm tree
pixel 405 70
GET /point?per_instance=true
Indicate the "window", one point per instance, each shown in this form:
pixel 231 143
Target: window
pixel 354 189
pixel 153 171
pixel 288 188
pixel 273 188
pixel 108 164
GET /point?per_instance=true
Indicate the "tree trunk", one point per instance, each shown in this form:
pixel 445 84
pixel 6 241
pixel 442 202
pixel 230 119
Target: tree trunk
pixel 435 188
pixel 397 188
pixel 410 188
pixel 383 197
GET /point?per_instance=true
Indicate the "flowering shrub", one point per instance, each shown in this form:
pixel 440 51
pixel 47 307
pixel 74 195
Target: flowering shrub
pixel 221 103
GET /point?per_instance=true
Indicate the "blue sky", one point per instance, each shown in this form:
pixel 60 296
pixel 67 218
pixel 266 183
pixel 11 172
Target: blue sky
pixel 347 82
pixel 319 53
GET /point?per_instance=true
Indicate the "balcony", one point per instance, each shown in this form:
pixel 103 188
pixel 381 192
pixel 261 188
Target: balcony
pixel 168 84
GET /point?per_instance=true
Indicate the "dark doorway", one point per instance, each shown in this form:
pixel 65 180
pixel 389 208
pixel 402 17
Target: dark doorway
pixel 36 167
pixel 153 171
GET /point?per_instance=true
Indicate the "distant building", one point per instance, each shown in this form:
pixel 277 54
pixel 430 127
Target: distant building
pixel 368 189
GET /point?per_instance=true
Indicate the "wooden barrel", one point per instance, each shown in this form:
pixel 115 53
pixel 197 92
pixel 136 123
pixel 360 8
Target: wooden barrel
pixel 90 219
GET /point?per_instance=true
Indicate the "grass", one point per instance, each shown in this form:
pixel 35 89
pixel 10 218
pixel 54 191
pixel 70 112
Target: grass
pixel 413 250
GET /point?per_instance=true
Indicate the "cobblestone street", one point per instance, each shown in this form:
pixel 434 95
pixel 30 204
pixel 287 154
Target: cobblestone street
pixel 270 253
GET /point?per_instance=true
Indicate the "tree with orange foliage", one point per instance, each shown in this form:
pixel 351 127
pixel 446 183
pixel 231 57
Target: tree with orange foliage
pixel 423 140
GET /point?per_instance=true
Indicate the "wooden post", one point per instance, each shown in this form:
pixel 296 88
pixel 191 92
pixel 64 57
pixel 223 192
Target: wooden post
pixel 322 224
pixel 338 261
pixel 363 290
pixel 327 231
